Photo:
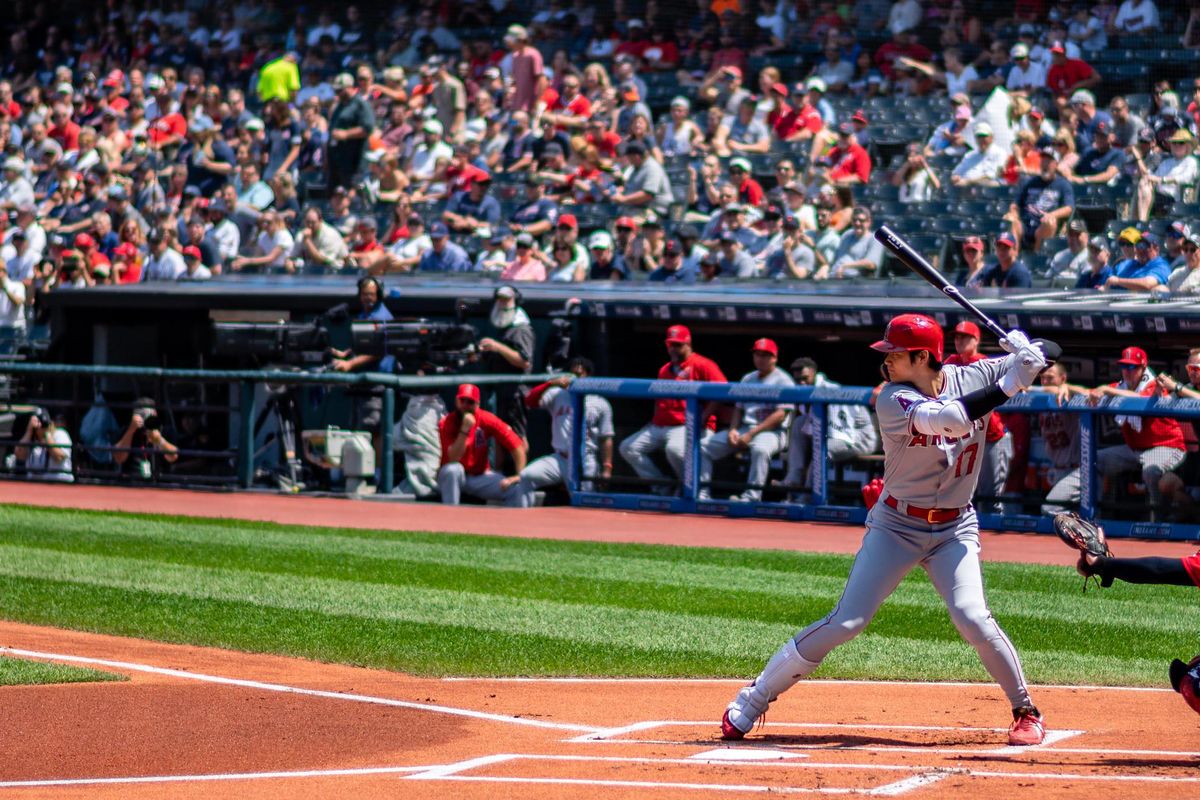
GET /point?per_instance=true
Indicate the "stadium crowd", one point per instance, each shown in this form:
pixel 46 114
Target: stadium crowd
pixel 665 142
pixel 672 142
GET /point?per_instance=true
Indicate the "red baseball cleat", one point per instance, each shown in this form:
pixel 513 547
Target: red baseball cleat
pixel 1027 728
pixel 728 730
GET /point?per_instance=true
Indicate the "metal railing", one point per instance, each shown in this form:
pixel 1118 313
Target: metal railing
pixel 246 380
pixel 696 394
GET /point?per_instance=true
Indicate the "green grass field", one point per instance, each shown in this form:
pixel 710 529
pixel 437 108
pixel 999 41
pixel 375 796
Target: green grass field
pixel 19 672
pixel 470 605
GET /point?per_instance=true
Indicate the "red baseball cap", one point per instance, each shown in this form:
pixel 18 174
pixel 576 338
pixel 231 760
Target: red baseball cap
pixel 679 334
pixel 1058 47
pixel 973 243
pixel 469 391
pixel 192 251
pixel 624 222
pixel 569 221
pixel 125 250
pixel 765 346
pixel 1006 239
pixel 859 116
pixel 1134 357
pixel 83 241
pixel 780 88
pixel 968 328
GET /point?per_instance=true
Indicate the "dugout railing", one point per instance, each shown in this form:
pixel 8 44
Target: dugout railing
pixel 244 404
pixel 822 508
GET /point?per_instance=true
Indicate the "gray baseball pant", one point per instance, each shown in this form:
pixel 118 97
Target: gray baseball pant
pixel 453 481
pixel 551 470
pixel 636 449
pixel 949 554
pixel 763 448
pixel 799 454
pixel 1154 463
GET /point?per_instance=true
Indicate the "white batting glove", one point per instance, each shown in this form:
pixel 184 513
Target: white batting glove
pixel 1015 341
pixel 1024 370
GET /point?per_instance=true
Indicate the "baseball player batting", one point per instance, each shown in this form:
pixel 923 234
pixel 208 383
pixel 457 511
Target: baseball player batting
pixel 933 418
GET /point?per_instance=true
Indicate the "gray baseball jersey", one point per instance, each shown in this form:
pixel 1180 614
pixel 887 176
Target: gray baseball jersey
pixel 754 413
pixel 597 420
pixel 928 470
pixel 1060 432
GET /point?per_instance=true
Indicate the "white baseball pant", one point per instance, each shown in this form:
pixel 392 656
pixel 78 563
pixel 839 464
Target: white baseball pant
pixel 636 449
pixel 453 481
pixel 763 448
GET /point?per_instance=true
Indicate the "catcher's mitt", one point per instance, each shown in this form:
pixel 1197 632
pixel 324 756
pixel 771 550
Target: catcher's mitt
pixel 1086 537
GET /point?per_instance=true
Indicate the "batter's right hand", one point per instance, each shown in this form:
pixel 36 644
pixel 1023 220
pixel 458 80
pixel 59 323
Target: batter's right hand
pixel 1014 341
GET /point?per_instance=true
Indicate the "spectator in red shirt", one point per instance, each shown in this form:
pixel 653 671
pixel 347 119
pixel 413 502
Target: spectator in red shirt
pixel 903 44
pixel 803 120
pixel 749 190
pixel 636 43
pixel 62 129
pixel 571 109
pixel 848 162
pixel 464 434
pixel 666 430
pixel 1067 75
pixel 605 140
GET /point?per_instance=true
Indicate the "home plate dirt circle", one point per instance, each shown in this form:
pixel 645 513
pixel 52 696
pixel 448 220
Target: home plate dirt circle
pixel 200 722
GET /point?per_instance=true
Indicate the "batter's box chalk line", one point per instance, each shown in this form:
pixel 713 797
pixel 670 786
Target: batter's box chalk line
pixel 456 772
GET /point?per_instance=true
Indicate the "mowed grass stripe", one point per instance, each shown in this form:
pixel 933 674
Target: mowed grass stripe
pixel 458 650
pixel 21 672
pixel 766 596
pixel 685 599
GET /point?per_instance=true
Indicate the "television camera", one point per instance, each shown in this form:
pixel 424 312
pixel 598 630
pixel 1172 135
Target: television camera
pixel 418 346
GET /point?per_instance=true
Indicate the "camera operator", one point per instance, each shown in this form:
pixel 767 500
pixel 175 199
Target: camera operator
pixel 45 449
pixel 510 354
pixel 142 440
pixel 368 408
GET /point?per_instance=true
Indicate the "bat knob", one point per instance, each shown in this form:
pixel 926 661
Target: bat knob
pixel 1052 350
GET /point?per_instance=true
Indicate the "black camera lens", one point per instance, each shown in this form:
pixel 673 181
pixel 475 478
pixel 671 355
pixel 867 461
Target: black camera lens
pixel 152 423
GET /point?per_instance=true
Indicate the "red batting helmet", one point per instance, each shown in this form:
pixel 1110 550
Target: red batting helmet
pixel 1185 679
pixel 912 332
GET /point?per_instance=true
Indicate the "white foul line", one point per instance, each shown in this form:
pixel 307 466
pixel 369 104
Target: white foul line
pixel 278 687
pixel 227 776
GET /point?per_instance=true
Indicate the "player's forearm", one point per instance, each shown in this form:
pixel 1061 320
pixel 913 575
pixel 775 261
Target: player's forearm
pixel 519 456
pixel 1151 569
